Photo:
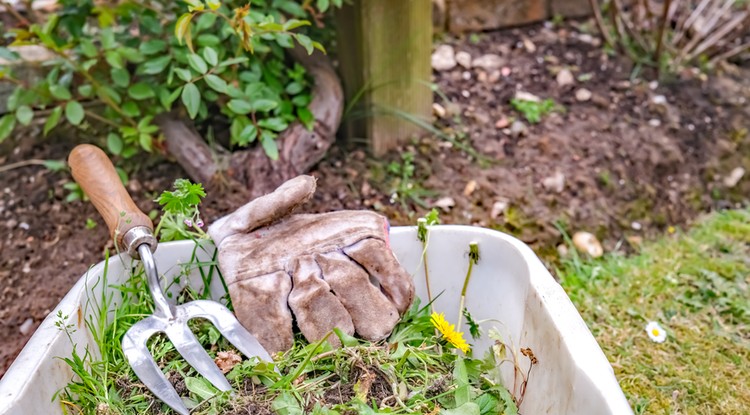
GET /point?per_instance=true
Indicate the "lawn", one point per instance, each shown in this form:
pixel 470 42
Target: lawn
pixel 695 285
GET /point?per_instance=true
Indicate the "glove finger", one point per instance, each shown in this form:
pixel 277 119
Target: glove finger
pixel 377 258
pixel 372 313
pixel 315 307
pixel 260 304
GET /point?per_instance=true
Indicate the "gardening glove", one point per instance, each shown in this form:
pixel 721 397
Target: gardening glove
pixel 328 270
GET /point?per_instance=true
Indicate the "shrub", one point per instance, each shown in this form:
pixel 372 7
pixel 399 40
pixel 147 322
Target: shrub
pixel 140 59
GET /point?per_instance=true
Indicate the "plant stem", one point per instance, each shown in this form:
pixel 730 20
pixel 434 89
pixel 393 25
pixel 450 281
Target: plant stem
pixel 13 12
pixel 660 36
pixel 473 259
pixel 24 163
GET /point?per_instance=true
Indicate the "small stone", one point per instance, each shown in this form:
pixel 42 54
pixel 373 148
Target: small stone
pixel 583 95
pixel 653 85
pixel 518 129
pixel 11 223
pixel 565 77
pixel 526 96
pixel 498 207
pixel 587 243
pixel 488 62
pixel 636 226
pixel 586 38
pixel 464 59
pixel 562 250
pixel 482 77
pixel 26 268
pixel 734 177
pixel 654 122
pixel 634 240
pixel 555 183
pixel 443 59
pixel 470 187
pixel 465 93
pixel 227 360
pixel 505 71
pixel 529 45
pixel 503 122
pixel 495 76
pixel 24 226
pixel 439 110
pixel 445 203
pixel 453 108
pixel 466 75
pixel 26 326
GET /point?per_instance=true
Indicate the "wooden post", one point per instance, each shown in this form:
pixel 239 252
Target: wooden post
pixel 384 49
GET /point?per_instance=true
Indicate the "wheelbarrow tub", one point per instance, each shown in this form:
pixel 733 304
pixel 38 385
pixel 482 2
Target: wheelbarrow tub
pixel 509 286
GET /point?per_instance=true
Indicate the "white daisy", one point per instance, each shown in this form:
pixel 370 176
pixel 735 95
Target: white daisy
pixel 656 332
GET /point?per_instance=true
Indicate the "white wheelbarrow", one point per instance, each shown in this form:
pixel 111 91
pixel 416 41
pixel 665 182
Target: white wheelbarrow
pixel 509 286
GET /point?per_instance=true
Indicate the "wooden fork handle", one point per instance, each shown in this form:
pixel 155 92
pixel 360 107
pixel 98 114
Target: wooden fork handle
pixel 96 175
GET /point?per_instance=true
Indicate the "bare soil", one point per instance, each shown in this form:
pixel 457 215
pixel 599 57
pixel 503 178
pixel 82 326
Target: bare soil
pixel 630 168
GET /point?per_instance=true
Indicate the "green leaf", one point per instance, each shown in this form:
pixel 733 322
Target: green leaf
pixel 184 74
pixel 153 46
pixel 131 54
pixel 488 404
pixel 167 98
pixel 216 83
pixel 108 38
pixel 74 112
pixel 156 65
pixel 85 90
pixel 114 144
pixel 146 142
pixel 141 91
pixel 109 92
pixel 185 197
pixel 7 123
pixel 239 106
pixel 264 105
pixel 197 63
pixel 323 5
pixel 276 124
pixel 196 5
pixel 292 24
pixel 294 88
pixel 468 408
pixel 301 100
pixel 306 117
pixel 191 97
pixel 247 135
pixel 55 165
pixel 305 42
pixel 120 76
pixel 319 46
pixel 24 114
pixel 346 339
pixel 234 61
pixel 200 387
pixel 60 92
pixel 52 120
pixel 462 394
pixel 131 109
pixel 286 404
pixel 182 27
pixel 267 140
pixel 213 4
pixel 8 54
pixel 87 48
pixel 210 56
pixel 113 58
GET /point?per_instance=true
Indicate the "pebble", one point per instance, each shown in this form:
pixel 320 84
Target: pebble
pixel 495 76
pixel 555 183
pixel 439 110
pixel 587 243
pixel 445 203
pixel 471 186
pixel 734 177
pixel 498 207
pixel 518 129
pixel 488 62
pixel 443 59
pixel 565 77
pixel 529 45
pixel 653 85
pixel 562 250
pixel 505 71
pixel 11 223
pixel 503 122
pixel 463 59
pixel 465 93
pixel 654 122
pixel 636 226
pixel 583 95
pixel 466 75
pixel 526 96
pixel 586 38
pixel 26 326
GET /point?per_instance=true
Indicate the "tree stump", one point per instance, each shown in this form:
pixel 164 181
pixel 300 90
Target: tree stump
pixel 299 148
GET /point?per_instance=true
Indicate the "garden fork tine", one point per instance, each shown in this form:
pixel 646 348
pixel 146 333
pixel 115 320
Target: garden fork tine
pixel 133 231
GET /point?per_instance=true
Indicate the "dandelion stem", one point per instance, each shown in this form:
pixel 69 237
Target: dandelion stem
pixel 473 259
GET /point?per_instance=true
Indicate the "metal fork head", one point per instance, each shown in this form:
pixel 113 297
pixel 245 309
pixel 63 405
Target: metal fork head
pixel 172 321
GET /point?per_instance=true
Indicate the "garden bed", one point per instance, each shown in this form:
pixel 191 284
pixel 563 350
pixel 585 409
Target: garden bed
pixel 669 173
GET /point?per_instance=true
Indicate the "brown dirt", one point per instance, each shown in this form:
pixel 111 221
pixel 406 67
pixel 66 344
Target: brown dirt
pixel 618 168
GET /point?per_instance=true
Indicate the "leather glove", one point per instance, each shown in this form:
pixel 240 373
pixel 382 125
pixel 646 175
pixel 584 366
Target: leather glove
pixel 319 270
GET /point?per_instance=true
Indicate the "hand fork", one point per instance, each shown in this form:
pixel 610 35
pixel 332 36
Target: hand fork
pixel 133 233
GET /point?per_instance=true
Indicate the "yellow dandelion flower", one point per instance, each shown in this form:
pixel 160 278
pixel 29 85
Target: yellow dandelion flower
pixel 448 331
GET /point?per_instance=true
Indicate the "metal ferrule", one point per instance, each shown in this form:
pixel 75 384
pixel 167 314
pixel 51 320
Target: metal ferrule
pixel 136 237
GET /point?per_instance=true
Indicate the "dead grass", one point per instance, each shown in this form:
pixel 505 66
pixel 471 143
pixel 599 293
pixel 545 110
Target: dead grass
pixel 695 284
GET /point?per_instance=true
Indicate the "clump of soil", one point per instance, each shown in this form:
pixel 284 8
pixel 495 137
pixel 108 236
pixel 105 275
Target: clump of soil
pixel 634 158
